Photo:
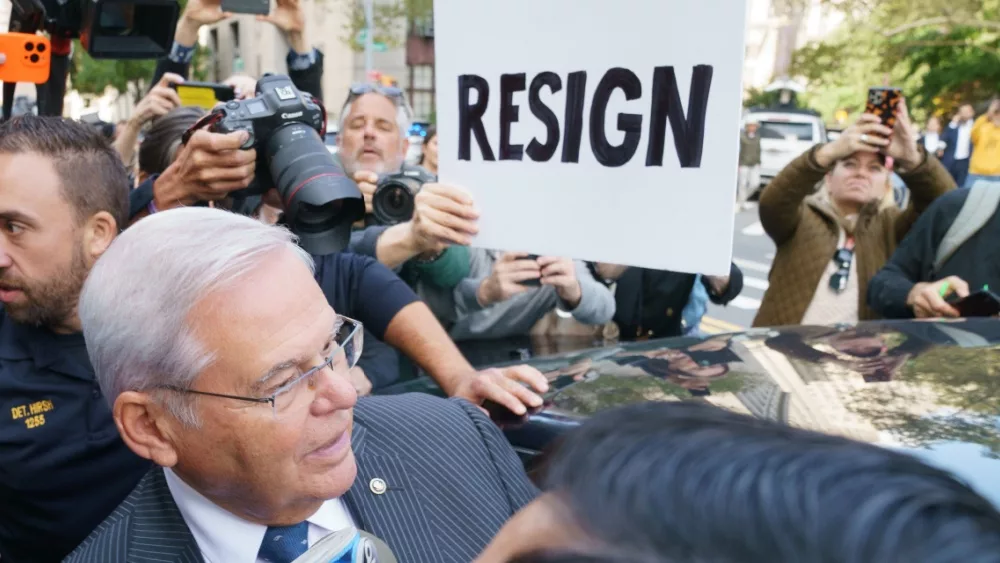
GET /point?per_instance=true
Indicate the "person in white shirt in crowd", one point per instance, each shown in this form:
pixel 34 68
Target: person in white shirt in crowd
pixel 959 147
pixel 933 141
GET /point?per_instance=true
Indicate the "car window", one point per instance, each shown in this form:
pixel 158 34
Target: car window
pixel 331 138
pixel 784 130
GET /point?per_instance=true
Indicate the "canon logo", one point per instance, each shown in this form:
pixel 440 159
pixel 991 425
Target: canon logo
pixel 291 115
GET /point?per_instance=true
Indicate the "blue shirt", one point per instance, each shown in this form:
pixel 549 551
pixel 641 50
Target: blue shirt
pixel 63 466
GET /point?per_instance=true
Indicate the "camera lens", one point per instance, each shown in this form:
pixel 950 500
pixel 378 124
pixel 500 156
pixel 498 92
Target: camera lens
pixel 34 58
pixel 393 203
pixel 320 202
pixel 41 47
pixel 29 47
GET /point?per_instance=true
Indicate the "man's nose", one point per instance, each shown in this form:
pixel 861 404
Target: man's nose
pixel 369 130
pixel 334 392
pixel 6 261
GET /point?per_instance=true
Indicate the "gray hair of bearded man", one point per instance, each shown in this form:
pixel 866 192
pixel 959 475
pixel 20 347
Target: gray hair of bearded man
pixel 137 301
pixel 402 118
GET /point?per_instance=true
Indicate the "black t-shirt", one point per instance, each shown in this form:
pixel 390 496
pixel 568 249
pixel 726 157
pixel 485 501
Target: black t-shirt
pixel 63 468
pixel 362 288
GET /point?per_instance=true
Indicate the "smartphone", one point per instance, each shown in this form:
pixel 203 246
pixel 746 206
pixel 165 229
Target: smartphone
pixel 204 94
pixel 262 7
pixel 983 303
pixel 28 58
pixel 505 417
pixel 883 103
pixel 535 282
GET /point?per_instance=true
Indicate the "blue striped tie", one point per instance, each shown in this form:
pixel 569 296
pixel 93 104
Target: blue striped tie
pixel 284 544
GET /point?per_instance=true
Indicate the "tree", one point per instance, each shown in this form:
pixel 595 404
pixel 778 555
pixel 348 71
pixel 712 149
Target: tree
pixel 390 22
pixel 941 52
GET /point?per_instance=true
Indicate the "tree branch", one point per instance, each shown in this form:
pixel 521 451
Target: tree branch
pixel 942 20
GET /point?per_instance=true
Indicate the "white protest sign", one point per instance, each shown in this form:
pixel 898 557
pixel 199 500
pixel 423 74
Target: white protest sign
pixel 638 168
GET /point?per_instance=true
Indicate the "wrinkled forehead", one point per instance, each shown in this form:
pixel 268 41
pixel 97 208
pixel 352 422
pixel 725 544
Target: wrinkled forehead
pixel 371 104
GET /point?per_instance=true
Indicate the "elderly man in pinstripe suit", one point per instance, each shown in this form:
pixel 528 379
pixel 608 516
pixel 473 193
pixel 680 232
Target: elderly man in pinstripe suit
pixel 227 367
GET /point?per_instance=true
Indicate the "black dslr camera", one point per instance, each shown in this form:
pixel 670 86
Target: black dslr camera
pixel 395 196
pixel 286 128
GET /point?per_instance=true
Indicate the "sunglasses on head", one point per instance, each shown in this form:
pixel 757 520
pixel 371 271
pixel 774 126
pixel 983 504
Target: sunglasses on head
pixel 393 93
pixel 842 258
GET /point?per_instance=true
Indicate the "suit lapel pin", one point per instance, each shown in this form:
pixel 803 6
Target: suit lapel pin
pixel 377 486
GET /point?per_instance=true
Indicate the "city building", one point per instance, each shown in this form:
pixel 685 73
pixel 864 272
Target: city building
pixel 244 45
pixel 775 29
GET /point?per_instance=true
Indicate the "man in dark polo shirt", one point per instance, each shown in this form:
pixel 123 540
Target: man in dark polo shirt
pixel 63 467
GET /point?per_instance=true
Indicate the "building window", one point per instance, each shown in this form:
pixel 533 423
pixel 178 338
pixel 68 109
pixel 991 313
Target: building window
pixel 422 91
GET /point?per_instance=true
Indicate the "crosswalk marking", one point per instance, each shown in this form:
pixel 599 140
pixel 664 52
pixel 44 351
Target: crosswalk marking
pixel 755 283
pixel 754 230
pixel 751 265
pixel 746 303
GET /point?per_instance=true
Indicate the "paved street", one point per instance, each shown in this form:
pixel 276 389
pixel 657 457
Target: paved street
pixel 753 252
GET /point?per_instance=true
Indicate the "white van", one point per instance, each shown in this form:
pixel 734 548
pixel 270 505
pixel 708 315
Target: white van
pixel 784 135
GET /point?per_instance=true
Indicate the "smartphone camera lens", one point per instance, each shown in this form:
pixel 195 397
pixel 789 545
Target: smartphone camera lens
pixel 34 58
pixel 29 47
pixel 41 47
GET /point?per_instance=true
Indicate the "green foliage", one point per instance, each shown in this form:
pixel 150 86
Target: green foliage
pixel 964 384
pixel 941 52
pixel 390 21
pixel 92 76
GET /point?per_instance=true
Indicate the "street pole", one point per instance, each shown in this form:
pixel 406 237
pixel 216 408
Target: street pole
pixel 369 37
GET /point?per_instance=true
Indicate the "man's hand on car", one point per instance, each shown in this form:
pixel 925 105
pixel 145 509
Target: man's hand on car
pixel 207 168
pixel 505 280
pixel 927 301
pixel 560 273
pixel 510 387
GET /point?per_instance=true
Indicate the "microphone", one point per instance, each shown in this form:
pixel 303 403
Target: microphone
pixel 348 546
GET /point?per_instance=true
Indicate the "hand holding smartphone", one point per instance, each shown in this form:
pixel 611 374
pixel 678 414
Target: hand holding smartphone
pixel 537 282
pixel 983 303
pixel 884 102
pixel 27 58
pixel 205 95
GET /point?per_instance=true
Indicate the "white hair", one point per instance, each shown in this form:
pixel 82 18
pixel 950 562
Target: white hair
pixel 136 302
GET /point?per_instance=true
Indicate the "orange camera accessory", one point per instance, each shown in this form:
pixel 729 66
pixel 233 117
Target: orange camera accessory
pixel 28 58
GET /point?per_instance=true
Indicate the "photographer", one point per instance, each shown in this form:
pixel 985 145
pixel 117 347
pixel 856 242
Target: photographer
pixel 510 292
pixel 212 165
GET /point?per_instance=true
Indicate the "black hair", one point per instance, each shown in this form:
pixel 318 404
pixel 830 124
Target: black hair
pixel 159 147
pixel 692 483
pixel 92 174
pixel 431 133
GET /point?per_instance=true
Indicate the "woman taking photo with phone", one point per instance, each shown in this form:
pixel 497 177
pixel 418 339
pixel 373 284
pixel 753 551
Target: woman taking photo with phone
pixel 831 241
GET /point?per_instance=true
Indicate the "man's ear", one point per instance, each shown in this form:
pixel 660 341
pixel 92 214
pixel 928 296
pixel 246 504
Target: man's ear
pixel 98 234
pixel 146 427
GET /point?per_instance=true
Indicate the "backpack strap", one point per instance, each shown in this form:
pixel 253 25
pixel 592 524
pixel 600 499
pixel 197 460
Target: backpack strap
pixel 978 209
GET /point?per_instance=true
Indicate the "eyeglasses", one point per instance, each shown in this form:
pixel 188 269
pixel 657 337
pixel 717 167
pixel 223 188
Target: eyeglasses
pixel 842 258
pixel 341 354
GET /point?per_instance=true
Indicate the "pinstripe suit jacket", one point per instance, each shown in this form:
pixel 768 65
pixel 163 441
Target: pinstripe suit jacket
pixel 452 478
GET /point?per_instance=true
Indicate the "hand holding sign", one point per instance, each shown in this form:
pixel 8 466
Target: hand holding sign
pixel 443 216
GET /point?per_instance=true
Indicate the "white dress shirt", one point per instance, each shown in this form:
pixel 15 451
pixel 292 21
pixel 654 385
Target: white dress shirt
pixel 932 142
pixel 224 537
pixel 963 146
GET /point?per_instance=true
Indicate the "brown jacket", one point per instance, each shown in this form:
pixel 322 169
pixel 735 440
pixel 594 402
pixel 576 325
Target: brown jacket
pixel 804 228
